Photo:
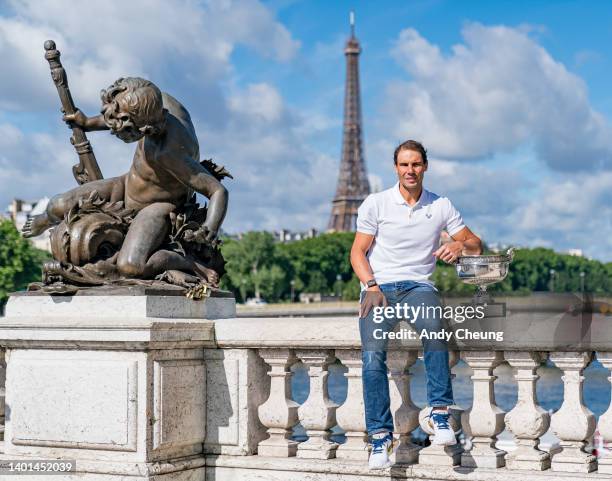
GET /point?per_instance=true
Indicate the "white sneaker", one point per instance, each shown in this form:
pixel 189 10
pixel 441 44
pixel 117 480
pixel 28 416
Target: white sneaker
pixel 443 433
pixel 382 447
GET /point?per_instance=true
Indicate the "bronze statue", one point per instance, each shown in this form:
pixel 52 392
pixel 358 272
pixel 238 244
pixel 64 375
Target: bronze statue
pixel 145 224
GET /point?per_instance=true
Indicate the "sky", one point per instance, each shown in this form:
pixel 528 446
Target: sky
pixel 511 99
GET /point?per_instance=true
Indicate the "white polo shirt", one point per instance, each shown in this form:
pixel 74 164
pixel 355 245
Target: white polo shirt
pixel 405 236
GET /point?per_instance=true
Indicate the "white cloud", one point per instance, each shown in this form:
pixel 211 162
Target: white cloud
pixel 513 139
pixel 498 90
pixel 185 47
pixel 101 41
pixel 572 209
pixel 259 101
pixel 508 205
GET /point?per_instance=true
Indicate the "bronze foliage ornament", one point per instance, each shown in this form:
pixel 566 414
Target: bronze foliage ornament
pixel 144 227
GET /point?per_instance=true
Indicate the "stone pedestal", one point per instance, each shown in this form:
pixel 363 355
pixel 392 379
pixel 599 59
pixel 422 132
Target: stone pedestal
pixel 115 381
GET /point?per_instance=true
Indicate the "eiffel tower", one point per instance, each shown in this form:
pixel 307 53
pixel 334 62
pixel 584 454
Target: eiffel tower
pixel 353 186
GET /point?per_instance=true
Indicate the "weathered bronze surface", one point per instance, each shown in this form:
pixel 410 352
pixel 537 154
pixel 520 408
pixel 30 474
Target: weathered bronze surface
pixel 143 227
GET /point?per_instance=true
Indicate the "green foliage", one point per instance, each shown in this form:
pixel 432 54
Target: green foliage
pixel 253 266
pixel 20 262
pixel 351 290
pixel 257 264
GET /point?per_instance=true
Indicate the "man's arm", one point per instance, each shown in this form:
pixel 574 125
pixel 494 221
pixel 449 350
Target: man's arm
pixel 193 175
pixel 362 269
pixel 359 261
pixel 464 242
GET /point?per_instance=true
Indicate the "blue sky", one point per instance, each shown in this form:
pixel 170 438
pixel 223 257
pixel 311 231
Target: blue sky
pixel 511 99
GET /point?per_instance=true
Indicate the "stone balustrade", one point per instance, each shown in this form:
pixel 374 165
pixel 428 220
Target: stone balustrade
pixel 251 412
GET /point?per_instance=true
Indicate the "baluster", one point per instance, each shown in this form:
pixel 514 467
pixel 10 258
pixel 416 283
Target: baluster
pixel 2 392
pixel 573 423
pixel 485 419
pixel 527 421
pixel 318 413
pixel 279 412
pixel 435 454
pixel 351 415
pixel 405 413
pixel 605 421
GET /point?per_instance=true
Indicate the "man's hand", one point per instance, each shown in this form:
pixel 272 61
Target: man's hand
pixel 77 119
pixel 372 298
pixel 449 252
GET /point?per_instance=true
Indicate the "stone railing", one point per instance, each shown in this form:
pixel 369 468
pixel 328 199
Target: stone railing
pixel 247 366
pixel 533 334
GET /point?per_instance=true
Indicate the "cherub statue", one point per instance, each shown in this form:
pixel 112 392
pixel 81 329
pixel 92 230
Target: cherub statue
pixel 154 200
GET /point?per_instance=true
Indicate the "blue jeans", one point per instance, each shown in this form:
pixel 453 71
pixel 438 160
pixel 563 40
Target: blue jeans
pixel 374 354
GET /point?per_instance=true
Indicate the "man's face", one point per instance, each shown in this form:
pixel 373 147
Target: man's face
pixel 410 169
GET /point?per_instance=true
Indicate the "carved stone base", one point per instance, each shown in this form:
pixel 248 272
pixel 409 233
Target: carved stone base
pixel 492 459
pixel 355 448
pixel 317 450
pixel 573 460
pixel 604 465
pixel 278 449
pixel 180 469
pixel 526 456
pixel 441 455
pixel 125 390
pixel 406 453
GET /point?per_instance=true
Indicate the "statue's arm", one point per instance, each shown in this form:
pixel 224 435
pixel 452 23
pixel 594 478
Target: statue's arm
pixel 88 124
pixel 193 175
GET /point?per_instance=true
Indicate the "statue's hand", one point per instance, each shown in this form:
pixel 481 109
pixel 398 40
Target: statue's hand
pixel 77 119
pixel 202 236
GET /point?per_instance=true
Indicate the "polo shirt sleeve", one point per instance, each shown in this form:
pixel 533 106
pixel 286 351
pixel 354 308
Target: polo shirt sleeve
pixel 454 222
pixel 367 216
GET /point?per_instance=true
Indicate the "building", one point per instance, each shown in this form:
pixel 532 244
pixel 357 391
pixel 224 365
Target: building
pixel 19 211
pixel 353 186
pixel 285 235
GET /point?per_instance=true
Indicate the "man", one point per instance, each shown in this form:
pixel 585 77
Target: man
pixel 164 173
pixel 393 255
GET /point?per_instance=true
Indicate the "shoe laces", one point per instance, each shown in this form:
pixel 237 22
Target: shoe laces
pixel 378 445
pixel 440 420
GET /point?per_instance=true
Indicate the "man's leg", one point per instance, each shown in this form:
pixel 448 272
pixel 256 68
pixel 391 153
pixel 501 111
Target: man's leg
pixel 108 189
pixel 376 392
pixel 435 351
pixel 435 356
pixel 379 421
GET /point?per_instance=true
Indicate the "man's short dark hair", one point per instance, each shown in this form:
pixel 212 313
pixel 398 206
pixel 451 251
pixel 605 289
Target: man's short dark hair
pixel 410 145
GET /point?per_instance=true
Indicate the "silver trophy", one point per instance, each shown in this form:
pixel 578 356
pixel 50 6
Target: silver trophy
pixel 482 271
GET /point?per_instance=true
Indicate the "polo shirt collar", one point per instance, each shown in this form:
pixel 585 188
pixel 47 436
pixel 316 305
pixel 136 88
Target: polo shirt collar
pixel 398 199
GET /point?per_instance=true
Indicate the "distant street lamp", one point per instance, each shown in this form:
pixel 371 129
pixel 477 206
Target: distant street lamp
pixel 552 280
pixel 582 275
pixel 292 290
pixel 338 285
pixel 243 289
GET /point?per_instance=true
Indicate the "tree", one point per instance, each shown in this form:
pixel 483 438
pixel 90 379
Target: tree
pixel 252 265
pixel 317 262
pixel 20 261
pixel 258 265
